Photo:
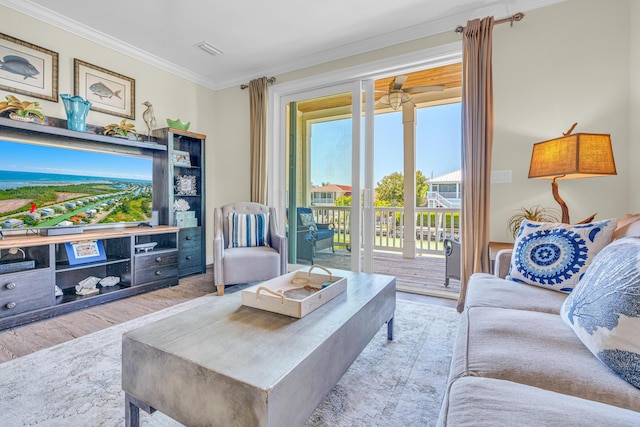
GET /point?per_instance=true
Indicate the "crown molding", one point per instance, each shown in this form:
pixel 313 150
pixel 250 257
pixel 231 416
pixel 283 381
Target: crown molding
pixel 415 32
pixel 77 28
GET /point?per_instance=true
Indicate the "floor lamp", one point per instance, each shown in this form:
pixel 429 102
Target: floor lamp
pixel 579 155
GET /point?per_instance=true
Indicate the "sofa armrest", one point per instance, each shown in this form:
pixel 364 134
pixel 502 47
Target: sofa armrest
pixel 280 244
pixel 503 262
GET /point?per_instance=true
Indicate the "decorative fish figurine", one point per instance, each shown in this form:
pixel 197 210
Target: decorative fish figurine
pixel 18 65
pixel 102 91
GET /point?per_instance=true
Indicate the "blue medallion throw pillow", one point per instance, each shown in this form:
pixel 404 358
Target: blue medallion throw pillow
pixel 555 255
pixel 248 230
pixel 604 309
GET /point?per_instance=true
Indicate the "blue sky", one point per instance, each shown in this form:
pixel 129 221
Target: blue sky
pixel 47 159
pixel 437 145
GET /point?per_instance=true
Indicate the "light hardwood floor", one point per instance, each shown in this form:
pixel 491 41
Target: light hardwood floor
pixel 26 339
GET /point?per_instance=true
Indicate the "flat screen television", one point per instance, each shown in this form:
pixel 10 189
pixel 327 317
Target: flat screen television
pixel 51 186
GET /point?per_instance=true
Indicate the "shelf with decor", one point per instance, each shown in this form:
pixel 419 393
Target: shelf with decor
pixel 96 259
pixel 39 275
pixel 185 182
pixel 57 132
pixel 70 296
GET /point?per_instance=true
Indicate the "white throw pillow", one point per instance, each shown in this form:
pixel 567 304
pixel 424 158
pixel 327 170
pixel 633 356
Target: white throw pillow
pixel 604 309
pixel 307 220
pixel 555 255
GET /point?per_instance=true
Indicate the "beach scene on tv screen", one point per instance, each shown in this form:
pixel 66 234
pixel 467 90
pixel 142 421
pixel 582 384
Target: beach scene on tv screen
pixel 48 186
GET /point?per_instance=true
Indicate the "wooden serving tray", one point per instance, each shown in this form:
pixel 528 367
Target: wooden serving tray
pixel 295 294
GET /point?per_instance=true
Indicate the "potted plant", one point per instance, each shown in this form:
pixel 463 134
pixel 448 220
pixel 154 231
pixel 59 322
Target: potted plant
pixel 121 130
pixel 536 213
pixel 25 111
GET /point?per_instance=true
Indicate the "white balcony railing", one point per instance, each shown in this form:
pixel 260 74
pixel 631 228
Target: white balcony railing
pixel 431 227
pixel 322 200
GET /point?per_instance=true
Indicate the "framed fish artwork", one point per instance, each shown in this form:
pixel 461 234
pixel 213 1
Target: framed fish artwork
pixel 109 92
pixel 28 69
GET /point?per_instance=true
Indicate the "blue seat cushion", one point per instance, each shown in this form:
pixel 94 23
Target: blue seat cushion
pixel 324 234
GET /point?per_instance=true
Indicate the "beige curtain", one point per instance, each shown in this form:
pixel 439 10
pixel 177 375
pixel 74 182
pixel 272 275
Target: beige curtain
pixel 258 123
pixel 477 139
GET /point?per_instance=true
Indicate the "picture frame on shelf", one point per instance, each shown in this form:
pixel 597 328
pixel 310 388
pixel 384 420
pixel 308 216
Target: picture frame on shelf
pixel 181 159
pixel 85 252
pixel 28 69
pixel 109 92
pixel 185 185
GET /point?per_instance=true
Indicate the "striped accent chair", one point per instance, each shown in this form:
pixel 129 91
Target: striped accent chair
pixel 247 246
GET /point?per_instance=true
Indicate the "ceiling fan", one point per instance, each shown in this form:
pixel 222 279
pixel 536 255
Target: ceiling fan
pixel 397 95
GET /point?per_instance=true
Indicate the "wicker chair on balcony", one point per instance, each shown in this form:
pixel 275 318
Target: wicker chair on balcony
pixel 452 260
pixel 312 236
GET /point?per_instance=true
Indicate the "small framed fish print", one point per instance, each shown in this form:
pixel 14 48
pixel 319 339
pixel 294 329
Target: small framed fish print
pixel 109 92
pixel 28 69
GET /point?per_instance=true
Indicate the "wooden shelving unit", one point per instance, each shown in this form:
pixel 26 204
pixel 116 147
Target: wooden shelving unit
pixel 30 294
pixel 168 174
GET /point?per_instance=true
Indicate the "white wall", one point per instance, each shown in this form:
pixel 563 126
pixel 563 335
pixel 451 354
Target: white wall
pixel 232 161
pixel 562 64
pixel 634 110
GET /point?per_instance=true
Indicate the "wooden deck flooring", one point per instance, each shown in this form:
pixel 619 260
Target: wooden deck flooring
pixel 423 275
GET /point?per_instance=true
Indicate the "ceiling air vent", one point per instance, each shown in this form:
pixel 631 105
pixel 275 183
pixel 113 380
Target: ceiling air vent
pixel 209 48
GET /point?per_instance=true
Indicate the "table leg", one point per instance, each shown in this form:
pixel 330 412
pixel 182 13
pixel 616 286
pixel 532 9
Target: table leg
pixel 390 329
pixel 131 412
pixel 132 408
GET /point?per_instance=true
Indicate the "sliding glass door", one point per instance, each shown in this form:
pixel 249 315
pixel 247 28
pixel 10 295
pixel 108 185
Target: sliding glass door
pixel 323 176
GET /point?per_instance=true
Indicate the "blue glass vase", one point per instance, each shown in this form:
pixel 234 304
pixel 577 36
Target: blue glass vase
pixel 77 110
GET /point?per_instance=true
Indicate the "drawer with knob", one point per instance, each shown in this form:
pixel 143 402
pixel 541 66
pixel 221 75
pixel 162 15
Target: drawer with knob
pixel 190 237
pixel 158 259
pixel 25 291
pixel 156 266
pixel 190 258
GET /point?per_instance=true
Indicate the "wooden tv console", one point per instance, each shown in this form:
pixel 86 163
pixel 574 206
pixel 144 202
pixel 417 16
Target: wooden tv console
pixel 28 294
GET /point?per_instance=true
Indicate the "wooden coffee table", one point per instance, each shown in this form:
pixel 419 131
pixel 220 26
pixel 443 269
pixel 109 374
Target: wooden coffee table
pixel 227 364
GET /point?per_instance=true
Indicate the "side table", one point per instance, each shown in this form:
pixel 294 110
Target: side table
pixel 494 248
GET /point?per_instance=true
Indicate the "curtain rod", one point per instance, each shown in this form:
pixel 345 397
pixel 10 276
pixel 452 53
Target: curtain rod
pixel 514 18
pixel 270 80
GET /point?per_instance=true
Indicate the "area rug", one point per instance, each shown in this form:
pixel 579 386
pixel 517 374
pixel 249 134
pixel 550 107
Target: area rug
pixel 399 382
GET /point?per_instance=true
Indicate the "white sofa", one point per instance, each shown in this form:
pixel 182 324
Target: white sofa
pixel 516 362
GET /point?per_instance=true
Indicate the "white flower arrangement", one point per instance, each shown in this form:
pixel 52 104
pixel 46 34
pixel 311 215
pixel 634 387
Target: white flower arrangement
pixel 180 205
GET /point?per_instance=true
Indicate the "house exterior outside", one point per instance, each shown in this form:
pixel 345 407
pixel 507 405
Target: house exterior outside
pixel 445 191
pixel 328 194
